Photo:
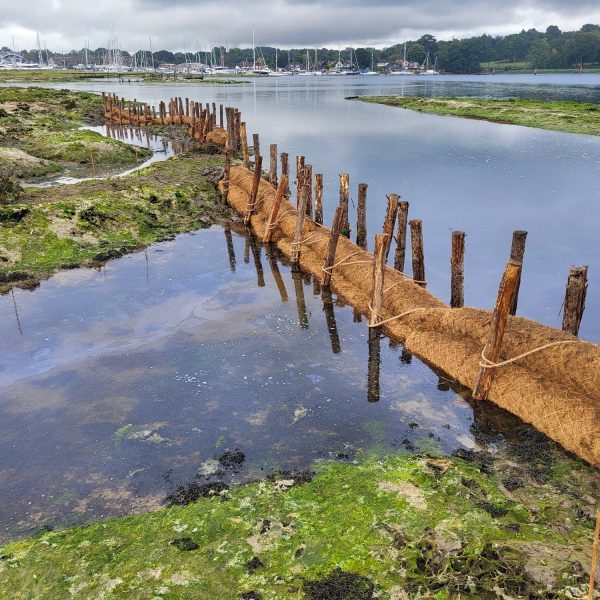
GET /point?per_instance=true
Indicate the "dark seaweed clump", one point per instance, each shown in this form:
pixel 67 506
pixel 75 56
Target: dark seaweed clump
pixel 191 492
pixel 339 585
pixel 185 544
pixel 253 564
pixel 232 459
pixel 301 476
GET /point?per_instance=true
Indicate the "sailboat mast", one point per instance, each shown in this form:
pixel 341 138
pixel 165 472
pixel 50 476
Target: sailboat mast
pixel 253 53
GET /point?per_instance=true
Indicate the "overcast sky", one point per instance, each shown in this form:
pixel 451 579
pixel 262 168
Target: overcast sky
pixel 192 24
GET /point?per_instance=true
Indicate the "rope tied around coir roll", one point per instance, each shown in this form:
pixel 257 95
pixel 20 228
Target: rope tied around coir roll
pixel 280 218
pixel 343 262
pixel 485 363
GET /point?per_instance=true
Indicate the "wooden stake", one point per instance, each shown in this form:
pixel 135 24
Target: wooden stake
pixel 457 270
pixel 390 222
pixel 299 178
pixel 400 254
pixel 377 280
pixel 273 164
pixel 301 214
pixel 361 220
pixel 256 145
pixel 331 248
pixel 221 115
pixel 254 193
pixel 418 258
pixel 517 252
pixel 575 299
pixel 498 325
pixel 245 153
pixel 344 201
pixel 307 180
pixel 275 210
pixel 319 198
pixel 227 174
pixel 594 558
pixel 238 132
pixel 285 170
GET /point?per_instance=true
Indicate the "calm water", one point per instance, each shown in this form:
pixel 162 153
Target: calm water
pixel 124 381
pixel 117 384
pixel 483 178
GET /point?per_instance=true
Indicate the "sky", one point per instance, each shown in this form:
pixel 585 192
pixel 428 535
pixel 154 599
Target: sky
pixel 191 25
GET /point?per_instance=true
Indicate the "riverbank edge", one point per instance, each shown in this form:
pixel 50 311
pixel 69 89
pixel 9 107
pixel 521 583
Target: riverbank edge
pixel 565 117
pixel 404 526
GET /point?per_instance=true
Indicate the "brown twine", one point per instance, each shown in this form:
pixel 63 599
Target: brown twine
pixel 280 218
pixel 343 262
pixel 408 312
pixel 486 363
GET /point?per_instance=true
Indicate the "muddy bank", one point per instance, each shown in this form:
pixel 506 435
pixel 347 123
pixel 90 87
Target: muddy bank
pixel 41 135
pixel 88 223
pixel 475 525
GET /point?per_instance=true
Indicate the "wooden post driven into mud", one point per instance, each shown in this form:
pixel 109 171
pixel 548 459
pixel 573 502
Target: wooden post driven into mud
pixel 238 130
pixel 575 299
pixel 245 153
pixel 255 145
pixel 331 248
pixel 361 218
pixel 457 270
pixel 273 164
pixel 517 252
pixel 344 202
pixel 318 218
pixel 377 280
pixel 275 210
pixel 390 222
pixel 285 170
pixel 299 178
pixel 254 193
pixel 418 257
pixel 508 285
pixel 301 215
pixel 227 174
pixel 221 116
pixel 400 253
pixel 307 183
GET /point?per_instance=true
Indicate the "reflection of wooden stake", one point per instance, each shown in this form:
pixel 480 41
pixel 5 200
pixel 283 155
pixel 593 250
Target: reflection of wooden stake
pixel 275 210
pixel 498 325
pixel 517 252
pixel 334 337
pixel 594 557
pixel 256 249
pixel 333 240
pixel 254 193
pixel 390 222
pixel 377 279
pixel 373 390
pixel 300 300
pixel 272 258
pixel 400 254
pixel 319 198
pixel 301 214
pixel 418 258
pixel 457 270
pixel 344 201
pixel 230 247
pixel 575 299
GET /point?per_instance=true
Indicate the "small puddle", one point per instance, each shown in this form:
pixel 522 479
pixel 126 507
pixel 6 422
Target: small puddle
pixel 119 384
pixel 162 148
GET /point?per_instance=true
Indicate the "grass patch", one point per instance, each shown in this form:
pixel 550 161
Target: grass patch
pixel 398 527
pixel 569 117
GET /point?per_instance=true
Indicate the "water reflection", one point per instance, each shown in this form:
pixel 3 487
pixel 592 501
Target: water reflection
pixel 196 360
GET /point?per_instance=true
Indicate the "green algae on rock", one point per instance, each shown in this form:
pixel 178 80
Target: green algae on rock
pixel 93 221
pixel 396 527
pixel 569 117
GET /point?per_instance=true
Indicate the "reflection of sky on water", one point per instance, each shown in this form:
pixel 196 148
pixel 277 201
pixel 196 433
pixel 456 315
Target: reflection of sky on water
pixel 191 357
pixel 485 179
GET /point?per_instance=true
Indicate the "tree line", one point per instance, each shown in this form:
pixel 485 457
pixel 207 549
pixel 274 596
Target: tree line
pixel 552 49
